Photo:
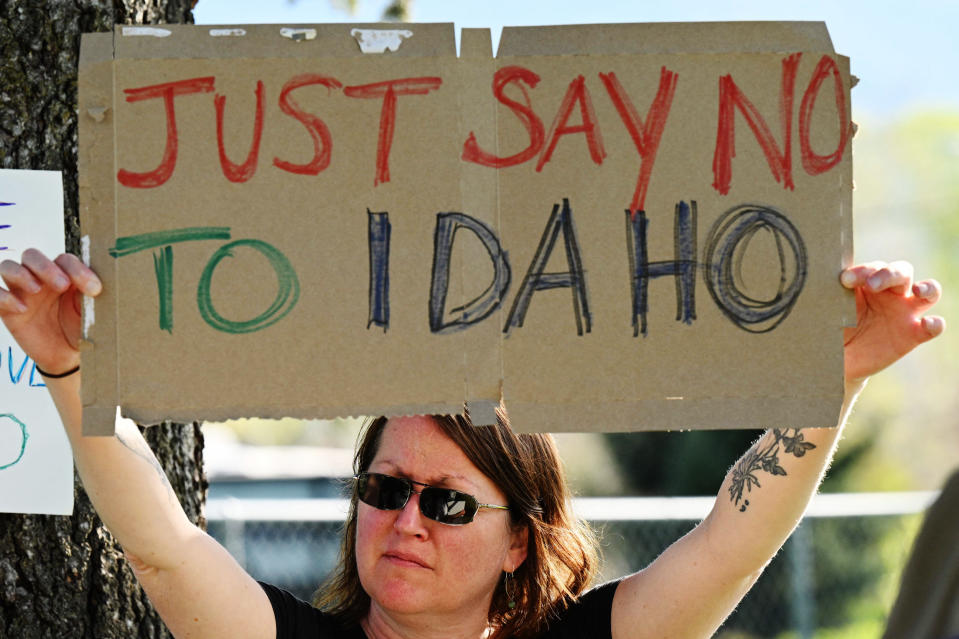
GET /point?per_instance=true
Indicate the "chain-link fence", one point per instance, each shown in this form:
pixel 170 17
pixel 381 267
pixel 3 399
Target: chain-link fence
pixel 835 577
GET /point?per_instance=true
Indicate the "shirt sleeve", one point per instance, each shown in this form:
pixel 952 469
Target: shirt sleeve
pixel 296 619
pixel 588 618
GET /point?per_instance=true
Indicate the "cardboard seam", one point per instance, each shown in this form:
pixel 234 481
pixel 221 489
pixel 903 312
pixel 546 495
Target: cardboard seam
pixel 714 398
pixel 116 233
pixel 467 392
pixel 555 56
pixel 713 56
pixel 500 343
pixel 185 415
pixel 89 200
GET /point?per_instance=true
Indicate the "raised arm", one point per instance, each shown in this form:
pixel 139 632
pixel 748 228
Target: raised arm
pixel 196 586
pixel 694 585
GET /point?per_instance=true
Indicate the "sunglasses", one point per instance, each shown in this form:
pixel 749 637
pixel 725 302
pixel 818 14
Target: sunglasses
pixel 439 504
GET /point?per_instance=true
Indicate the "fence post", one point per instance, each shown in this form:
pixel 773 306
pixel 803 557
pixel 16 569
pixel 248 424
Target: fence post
pixel 234 530
pixel 801 570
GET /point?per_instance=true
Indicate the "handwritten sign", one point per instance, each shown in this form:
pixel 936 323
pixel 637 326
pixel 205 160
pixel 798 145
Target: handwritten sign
pixel 36 465
pixel 605 227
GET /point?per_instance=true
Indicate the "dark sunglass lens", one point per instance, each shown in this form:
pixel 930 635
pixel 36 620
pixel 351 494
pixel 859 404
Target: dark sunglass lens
pixel 382 491
pixel 394 493
pixel 447 506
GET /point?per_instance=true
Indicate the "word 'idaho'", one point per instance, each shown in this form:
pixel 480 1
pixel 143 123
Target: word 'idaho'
pixel 731 230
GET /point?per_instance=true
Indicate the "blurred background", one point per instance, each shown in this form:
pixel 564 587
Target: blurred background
pixel 274 485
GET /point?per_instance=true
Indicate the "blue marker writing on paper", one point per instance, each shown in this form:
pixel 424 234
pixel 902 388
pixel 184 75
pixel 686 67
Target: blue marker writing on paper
pixel 15 370
pixel 22 446
pixel 15 377
pixel 5 226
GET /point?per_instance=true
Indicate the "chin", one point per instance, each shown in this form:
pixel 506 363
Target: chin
pixel 402 591
pixel 402 597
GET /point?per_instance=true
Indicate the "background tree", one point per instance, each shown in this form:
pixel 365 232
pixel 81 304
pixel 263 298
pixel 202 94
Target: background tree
pixel 66 576
pixel 396 10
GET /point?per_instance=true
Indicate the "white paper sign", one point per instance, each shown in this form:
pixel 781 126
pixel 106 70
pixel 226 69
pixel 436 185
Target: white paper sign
pixel 36 465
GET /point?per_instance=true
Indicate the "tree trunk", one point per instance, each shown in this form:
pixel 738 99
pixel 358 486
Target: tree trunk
pixel 66 576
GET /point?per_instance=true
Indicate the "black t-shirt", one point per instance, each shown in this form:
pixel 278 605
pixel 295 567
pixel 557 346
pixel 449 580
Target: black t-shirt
pixel 588 618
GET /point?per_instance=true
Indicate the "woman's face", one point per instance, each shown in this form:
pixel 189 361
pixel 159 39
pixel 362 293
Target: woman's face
pixel 410 564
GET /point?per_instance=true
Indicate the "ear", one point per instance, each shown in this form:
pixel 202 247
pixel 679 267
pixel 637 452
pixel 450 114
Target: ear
pixel 518 549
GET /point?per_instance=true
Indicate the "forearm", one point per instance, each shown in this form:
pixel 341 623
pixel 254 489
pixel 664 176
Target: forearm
pixel 699 580
pixel 767 491
pixel 125 482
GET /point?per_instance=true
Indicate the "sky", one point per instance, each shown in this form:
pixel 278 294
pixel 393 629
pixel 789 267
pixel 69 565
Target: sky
pixel 904 53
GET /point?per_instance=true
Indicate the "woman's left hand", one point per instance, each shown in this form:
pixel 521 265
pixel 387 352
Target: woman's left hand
pixel 889 313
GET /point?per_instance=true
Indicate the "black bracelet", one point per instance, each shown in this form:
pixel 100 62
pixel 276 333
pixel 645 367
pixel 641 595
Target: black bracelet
pixel 52 376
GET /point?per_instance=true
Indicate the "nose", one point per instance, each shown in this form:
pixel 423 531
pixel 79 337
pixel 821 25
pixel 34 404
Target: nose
pixel 409 520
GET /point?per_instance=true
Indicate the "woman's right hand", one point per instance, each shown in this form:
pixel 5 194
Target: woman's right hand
pixel 41 306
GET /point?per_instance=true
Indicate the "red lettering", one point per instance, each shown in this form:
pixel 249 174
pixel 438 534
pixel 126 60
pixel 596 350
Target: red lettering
pixel 646 136
pixel 730 98
pixel 389 90
pixel 577 91
pixel 812 162
pixel 168 91
pixel 240 172
pixel 319 133
pixel 524 111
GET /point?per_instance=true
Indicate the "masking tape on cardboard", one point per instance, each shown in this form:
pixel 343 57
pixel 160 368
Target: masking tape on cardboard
pixel 379 40
pixel 298 34
pixel 146 31
pixel 87 300
pixel 219 33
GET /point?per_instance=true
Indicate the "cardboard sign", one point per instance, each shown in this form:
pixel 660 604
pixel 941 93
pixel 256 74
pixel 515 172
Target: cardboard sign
pixel 36 464
pixel 605 227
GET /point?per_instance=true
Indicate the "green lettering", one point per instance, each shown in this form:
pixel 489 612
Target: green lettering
pixel 286 296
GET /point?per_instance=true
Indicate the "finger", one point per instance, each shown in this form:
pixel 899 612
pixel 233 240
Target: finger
pixel 856 276
pixel 45 270
pixel 895 277
pixel 933 325
pixel 9 303
pixel 927 292
pixel 80 274
pixel 18 277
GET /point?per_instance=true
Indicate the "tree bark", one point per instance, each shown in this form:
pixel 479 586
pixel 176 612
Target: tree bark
pixel 66 576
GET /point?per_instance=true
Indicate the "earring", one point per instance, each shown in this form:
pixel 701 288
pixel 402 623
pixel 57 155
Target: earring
pixel 508 587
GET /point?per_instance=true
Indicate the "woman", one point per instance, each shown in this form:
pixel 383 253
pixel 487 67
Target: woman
pixel 455 532
pixel 524 562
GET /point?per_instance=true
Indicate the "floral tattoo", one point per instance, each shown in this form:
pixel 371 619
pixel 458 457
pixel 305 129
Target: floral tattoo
pixel 765 459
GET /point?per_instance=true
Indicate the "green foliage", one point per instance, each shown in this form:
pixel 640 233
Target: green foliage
pixel 674 464
pixel 398 10
pixel 854 566
pixel 907 205
pixel 860 629
pixel 395 11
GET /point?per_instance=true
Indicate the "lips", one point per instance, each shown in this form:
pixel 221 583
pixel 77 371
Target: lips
pixel 401 558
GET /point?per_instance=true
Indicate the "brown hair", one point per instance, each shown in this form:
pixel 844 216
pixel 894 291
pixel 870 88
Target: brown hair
pixel 561 559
